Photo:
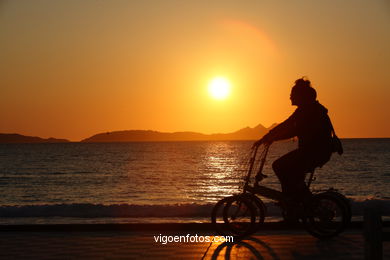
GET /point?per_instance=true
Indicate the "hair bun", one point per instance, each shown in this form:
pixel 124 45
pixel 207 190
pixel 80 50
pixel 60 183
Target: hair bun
pixel 303 82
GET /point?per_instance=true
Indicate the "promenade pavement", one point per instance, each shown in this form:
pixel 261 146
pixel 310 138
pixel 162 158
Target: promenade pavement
pixel 105 244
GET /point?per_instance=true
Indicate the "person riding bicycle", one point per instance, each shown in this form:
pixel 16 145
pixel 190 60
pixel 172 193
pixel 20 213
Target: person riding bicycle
pixel 311 124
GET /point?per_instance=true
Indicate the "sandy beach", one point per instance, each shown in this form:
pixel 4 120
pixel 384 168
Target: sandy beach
pixel 138 242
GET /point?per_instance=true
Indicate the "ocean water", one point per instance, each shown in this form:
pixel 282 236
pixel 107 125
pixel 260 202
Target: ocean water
pixel 164 181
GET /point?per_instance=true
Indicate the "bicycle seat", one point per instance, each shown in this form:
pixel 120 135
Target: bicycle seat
pixel 260 177
pixel 264 175
pixel 311 177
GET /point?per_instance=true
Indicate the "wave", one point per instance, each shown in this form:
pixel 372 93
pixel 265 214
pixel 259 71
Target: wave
pixel 87 210
pixel 99 210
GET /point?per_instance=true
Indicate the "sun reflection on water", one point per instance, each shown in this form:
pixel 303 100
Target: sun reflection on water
pixel 221 175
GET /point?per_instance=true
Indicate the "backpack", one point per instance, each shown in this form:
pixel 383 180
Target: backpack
pixel 336 142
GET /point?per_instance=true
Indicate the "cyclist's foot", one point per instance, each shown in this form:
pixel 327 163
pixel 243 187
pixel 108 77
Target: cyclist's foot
pixel 290 220
pixel 310 208
pixel 293 211
pixel 291 217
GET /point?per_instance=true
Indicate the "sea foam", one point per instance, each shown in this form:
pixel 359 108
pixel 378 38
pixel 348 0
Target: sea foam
pixel 152 211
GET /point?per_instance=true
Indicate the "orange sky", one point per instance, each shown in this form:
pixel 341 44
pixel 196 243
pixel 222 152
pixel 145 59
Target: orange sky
pixel 70 69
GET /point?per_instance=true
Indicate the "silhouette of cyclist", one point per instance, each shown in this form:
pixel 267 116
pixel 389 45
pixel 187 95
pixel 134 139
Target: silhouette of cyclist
pixel 311 124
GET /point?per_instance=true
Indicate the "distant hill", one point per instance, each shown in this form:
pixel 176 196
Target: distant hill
pixel 154 136
pixel 17 138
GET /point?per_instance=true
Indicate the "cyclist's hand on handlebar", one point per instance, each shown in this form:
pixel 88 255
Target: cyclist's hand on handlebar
pixel 265 140
pixel 257 143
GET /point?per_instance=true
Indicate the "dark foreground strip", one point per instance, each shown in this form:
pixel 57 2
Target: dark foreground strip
pixel 145 227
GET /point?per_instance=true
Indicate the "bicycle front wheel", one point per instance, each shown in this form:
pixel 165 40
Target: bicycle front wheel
pixel 259 207
pixel 239 215
pixel 217 218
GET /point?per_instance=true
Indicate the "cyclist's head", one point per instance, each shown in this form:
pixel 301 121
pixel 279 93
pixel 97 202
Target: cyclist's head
pixel 302 92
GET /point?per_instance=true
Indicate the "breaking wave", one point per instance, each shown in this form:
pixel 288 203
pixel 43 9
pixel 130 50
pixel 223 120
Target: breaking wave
pixel 160 211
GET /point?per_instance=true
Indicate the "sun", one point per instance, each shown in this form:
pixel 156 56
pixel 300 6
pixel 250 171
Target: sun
pixel 219 88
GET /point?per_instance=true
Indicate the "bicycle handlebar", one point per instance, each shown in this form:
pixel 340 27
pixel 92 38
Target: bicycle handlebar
pixel 263 156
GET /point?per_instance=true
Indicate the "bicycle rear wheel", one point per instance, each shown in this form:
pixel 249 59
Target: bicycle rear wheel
pixel 343 200
pixel 326 216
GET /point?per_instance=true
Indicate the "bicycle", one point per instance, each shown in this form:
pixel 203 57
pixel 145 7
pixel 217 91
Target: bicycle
pixel 324 214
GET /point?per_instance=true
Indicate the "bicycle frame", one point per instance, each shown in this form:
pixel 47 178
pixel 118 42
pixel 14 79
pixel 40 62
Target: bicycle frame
pixel 260 189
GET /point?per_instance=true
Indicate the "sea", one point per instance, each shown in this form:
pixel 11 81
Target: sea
pixel 160 182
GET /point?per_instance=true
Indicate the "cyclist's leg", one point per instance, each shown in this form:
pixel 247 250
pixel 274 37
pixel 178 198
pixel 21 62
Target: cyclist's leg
pixel 291 169
pixel 285 167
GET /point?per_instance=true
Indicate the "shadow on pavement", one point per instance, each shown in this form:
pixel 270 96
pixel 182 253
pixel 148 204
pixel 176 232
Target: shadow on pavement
pixel 289 247
pixel 249 248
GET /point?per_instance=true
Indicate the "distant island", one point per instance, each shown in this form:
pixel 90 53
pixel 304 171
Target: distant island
pixel 146 136
pixel 154 136
pixel 17 138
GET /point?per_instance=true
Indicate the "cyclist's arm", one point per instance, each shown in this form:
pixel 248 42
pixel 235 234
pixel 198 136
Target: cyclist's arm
pixel 284 130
